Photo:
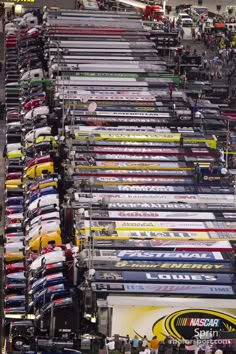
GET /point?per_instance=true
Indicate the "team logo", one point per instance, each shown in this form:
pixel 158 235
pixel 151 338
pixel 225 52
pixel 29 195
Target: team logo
pixel 199 323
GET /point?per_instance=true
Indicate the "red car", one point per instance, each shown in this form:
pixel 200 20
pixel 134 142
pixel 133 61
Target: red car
pixel 15 267
pixel 10 44
pixel 34 103
pixel 14 175
pixel 37 160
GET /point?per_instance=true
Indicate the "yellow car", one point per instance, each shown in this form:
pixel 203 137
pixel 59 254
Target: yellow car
pixel 40 241
pixel 14 154
pixel 38 170
pixel 41 139
pixel 13 183
pixel 13 257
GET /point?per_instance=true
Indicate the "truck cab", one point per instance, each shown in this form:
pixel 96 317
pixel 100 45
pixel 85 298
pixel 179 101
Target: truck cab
pixel 154 13
pixel 53 327
pixel 19 333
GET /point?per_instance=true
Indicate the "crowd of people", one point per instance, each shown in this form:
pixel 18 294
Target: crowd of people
pixel 219 52
pixel 126 345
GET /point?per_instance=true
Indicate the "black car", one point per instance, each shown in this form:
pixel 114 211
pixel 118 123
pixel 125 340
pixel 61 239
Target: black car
pixel 179 8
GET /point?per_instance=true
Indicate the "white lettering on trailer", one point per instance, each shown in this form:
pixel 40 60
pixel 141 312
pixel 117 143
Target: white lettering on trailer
pixel 176 255
pixel 198 277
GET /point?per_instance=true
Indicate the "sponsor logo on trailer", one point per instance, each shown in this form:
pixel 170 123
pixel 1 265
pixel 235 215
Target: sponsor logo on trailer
pixel 195 323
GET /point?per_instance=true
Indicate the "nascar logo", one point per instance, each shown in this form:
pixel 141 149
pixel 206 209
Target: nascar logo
pixel 198 322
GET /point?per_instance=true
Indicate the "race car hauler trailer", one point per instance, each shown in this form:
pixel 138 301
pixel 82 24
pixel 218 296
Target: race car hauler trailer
pixel 189 318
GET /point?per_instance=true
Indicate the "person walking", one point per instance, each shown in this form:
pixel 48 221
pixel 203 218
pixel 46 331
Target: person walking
pixel 199 36
pixel 205 63
pixel 211 168
pixel 154 345
pixel 183 80
pixel 197 173
pixel 171 89
pixel 219 168
pixel 222 155
pixel 223 171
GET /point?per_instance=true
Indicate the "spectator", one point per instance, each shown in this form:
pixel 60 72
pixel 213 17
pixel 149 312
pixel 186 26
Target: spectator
pixel 171 89
pixel 147 350
pixel 207 349
pixel 199 36
pixel 182 349
pixel 211 168
pixel 127 347
pixel 118 342
pixel 154 345
pixel 199 116
pixel 190 348
pixel 184 79
pixel 219 351
pixel 234 347
pixel 222 155
pixel 219 168
pixel 144 342
pixel 168 345
pixel 197 173
pixel 111 345
pixel 135 343
pixel 224 171
pixel 161 349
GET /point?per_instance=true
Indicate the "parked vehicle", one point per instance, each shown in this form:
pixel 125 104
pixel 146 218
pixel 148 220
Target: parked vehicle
pixel 185 20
